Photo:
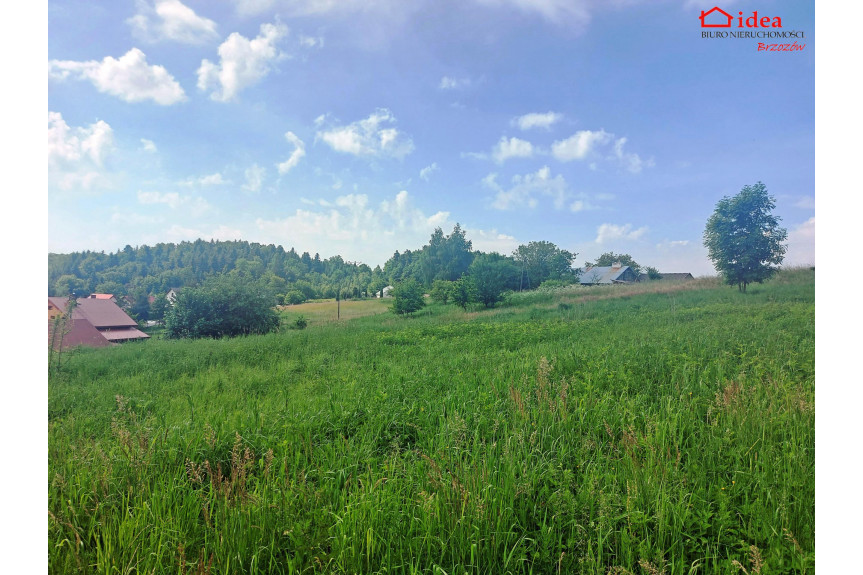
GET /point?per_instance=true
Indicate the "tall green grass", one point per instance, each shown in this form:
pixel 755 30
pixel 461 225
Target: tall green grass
pixel 572 432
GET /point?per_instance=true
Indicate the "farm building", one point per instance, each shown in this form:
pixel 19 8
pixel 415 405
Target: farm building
pixel 607 275
pixel 674 277
pixel 94 323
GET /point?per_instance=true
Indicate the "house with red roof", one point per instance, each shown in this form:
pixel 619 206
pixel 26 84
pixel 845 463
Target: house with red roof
pixel 95 322
pixel 103 296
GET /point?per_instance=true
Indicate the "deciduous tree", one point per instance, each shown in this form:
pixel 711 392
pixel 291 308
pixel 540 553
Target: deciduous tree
pixel 540 261
pixel 743 238
pixel 490 274
pixel 463 292
pixel 440 291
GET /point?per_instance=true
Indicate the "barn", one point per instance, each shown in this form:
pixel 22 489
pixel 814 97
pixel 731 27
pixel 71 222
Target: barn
pixel 607 275
pixel 96 322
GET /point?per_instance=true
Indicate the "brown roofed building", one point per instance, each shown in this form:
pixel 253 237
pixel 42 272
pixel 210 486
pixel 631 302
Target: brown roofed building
pixel 81 332
pixel 95 323
pixel 56 306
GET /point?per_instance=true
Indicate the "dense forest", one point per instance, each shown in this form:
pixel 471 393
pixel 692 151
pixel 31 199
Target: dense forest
pixel 143 275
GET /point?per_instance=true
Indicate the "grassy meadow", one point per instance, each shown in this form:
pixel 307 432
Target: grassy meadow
pixel 616 430
pixel 323 311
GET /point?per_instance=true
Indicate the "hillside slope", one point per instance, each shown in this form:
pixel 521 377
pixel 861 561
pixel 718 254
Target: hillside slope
pixel 641 433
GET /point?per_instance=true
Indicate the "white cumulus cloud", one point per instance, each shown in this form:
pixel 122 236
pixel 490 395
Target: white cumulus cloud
pixel 491 241
pixel 254 178
pixel 801 244
pixel 296 155
pixel 628 160
pixel 450 83
pixel 372 136
pixel 580 145
pixel 171 20
pixel 148 146
pixel 170 199
pixel 527 189
pixel 195 205
pixel 242 62
pixel 212 180
pixel 215 179
pixel 607 232
pixel 76 156
pixel 599 144
pixel 535 120
pixel 426 172
pixel 511 148
pixel 129 78
pixel 355 228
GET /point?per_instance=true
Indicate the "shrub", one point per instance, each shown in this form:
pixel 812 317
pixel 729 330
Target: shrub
pixel 555 284
pixel 295 297
pixel 408 297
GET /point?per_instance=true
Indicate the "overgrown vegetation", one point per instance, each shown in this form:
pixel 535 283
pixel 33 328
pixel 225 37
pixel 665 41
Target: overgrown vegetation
pixel 567 430
pixel 223 307
pixel 138 275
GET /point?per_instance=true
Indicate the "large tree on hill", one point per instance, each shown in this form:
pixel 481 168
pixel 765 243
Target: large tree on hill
pixel 743 237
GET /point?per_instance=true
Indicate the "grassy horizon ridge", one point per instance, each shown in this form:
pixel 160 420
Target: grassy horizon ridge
pixel 567 431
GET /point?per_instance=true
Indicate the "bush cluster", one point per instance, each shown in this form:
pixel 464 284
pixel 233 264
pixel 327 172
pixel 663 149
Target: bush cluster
pixel 220 308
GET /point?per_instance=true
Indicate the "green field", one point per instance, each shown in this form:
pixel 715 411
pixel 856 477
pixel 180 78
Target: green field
pixel 329 310
pixel 581 431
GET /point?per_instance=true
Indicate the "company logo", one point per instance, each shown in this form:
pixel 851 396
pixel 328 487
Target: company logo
pixel 716 17
pixel 751 26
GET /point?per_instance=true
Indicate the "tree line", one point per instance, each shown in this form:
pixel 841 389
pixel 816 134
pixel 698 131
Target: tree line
pixel 143 275
pixel 136 274
pixel 743 239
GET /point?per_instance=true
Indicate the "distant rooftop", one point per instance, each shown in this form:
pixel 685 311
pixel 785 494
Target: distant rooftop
pixel 604 274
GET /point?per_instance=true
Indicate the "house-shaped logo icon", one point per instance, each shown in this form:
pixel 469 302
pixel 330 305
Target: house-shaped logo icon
pixel 721 18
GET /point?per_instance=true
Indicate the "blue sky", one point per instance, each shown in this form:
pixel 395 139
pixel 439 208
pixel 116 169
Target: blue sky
pixel 357 127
